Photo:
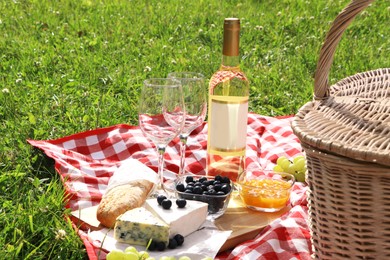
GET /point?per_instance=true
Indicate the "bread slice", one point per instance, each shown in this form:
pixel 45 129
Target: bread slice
pixel 122 198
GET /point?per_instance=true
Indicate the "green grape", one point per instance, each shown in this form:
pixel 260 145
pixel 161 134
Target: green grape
pixel 297 158
pixel 131 249
pixel 283 162
pixel 143 255
pixel 277 168
pixel 291 169
pixel 300 176
pixel 299 164
pixel 115 255
pixel 280 159
pixel 130 256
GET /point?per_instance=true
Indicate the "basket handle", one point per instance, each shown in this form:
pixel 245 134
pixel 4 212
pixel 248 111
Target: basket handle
pixel 332 39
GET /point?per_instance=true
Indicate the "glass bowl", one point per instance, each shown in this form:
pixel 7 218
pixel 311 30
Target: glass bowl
pixel 213 190
pixel 266 191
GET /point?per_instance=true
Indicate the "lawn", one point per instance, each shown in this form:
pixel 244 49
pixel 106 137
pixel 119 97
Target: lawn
pixel 70 66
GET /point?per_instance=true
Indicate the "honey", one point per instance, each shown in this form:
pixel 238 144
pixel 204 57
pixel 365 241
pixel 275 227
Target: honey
pixel 265 193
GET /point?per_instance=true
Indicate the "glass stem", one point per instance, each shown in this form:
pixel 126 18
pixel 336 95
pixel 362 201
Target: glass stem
pixel 161 151
pixel 183 144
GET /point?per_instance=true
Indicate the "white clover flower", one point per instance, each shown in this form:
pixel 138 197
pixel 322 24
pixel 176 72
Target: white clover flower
pixel 279 14
pixel 60 234
pixel 200 30
pixel 5 90
pixel 259 27
pixel 18 80
pixel 147 68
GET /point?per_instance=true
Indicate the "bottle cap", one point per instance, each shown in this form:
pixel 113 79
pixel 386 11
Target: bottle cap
pixel 231 37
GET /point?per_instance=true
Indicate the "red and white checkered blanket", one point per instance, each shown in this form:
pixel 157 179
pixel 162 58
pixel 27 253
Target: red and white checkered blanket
pixel 85 162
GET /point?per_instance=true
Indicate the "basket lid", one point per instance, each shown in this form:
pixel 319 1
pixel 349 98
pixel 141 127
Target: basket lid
pixel 352 117
pixel 353 121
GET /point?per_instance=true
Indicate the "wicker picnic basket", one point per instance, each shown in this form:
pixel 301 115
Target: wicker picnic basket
pixel 345 133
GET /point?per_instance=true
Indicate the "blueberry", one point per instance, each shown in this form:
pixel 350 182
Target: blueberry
pixel 160 198
pixel 226 188
pixel 197 184
pixel 210 187
pixel 180 187
pixel 166 204
pixel 181 203
pixel 202 179
pixel 188 191
pixel 209 182
pixel 160 246
pixel 211 192
pixel 218 178
pixel 179 239
pixel 152 245
pixel 172 243
pixel 220 193
pixel 197 190
pixel 225 180
pixel 218 187
pixel 189 179
pixel 189 187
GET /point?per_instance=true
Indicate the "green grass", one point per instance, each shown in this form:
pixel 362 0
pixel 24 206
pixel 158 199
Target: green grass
pixel 70 66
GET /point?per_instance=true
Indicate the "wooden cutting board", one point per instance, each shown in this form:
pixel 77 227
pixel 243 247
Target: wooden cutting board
pixel 244 223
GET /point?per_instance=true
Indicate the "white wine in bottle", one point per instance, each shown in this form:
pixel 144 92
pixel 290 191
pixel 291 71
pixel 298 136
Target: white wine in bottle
pixel 228 109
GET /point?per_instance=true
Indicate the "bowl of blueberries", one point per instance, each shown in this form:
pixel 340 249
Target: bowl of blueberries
pixel 213 190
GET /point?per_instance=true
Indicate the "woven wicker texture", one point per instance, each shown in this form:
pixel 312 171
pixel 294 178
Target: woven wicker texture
pixel 345 132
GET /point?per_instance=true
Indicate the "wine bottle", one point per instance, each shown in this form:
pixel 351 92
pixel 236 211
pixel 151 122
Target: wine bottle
pixel 228 109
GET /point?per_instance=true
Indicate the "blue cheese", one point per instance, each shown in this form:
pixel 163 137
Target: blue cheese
pixel 138 226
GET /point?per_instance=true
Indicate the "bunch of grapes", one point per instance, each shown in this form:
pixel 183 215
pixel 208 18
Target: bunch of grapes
pixel 130 253
pixel 296 167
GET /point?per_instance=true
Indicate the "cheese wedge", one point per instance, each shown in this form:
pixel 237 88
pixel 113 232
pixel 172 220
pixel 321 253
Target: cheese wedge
pixel 181 221
pixel 138 226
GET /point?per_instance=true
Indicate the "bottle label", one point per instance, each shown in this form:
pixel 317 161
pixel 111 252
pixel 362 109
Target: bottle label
pixel 228 117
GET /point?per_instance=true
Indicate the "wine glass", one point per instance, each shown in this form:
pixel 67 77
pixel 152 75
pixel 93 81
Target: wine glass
pixel 161 115
pixel 195 99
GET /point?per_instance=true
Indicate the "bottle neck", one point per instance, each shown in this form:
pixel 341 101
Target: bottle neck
pixel 230 62
pixel 231 42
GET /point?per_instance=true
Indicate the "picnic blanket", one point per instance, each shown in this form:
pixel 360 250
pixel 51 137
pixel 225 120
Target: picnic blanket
pixel 86 161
